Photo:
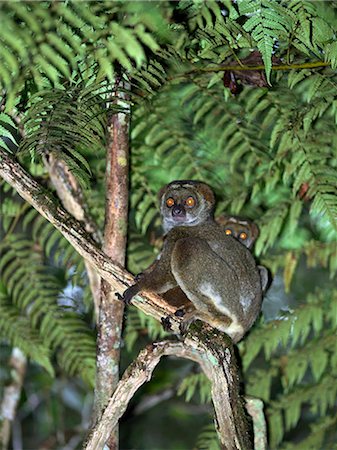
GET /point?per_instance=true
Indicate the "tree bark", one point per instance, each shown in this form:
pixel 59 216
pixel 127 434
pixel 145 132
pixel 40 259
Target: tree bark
pixel 48 206
pixel 210 351
pixel 11 395
pixel 218 365
pixel 115 233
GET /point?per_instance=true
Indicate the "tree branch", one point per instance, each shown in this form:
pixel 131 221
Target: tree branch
pixel 214 354
pixel 47 205
pixel 71 196
pixel 221 371
pixel 11 395
pixel 134 377
pixel 254 408
pixel 243 67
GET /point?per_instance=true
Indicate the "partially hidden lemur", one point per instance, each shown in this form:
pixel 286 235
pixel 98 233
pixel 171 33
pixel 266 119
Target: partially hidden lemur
pixel 244 230
pixel 216 272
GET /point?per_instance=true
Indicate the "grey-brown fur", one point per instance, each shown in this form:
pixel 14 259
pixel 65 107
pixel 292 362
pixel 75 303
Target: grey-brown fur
pixel 215 271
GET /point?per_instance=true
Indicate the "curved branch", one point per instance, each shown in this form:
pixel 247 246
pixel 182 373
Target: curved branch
pixel 138 373
pixel 229 417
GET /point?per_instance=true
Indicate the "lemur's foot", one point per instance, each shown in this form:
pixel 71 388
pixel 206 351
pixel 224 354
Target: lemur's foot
pixel 166 323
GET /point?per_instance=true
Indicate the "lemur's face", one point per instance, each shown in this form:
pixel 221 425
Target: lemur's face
pixel 186 203
pixel 244 231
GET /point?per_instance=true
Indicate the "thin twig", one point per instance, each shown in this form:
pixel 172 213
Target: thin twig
pixel 71 196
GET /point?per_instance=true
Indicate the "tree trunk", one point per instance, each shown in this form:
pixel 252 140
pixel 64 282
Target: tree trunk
pixel 115 233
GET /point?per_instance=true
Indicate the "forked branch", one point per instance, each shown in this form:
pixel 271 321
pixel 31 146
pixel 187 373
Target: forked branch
pixel 218 366
pixel 215 354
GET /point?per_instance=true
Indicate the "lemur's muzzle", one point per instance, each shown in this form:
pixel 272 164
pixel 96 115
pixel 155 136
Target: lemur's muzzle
pixel 178 211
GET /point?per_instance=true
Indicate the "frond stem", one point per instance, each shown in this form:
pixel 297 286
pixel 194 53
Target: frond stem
pixel 238 67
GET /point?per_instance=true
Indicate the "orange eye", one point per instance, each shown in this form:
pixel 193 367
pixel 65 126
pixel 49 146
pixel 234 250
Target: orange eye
pixel 228 232
pixel 243 236
pixel 190 202
pixel 170 202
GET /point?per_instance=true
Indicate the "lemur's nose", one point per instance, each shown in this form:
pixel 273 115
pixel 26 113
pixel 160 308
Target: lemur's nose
pixel 178 211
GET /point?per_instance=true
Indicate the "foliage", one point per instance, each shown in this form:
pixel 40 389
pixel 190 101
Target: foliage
pixel 195 382
pixel 268 151
pixel 37 272
pixel 208 439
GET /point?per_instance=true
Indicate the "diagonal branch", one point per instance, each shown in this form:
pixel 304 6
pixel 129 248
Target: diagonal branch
pixel 138 373
pixel 247 67
pixel 70 193
pixel 42 200
pixel 71 196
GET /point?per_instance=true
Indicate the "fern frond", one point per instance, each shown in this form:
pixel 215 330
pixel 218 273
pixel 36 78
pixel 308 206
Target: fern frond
pixel 99 33
pixel 322 435
pixel 268 22
pixel 199 14
pixel 35 290
pixel 196 382
pixel 270 226
pixel 320 254
pixel 304 356
pixel 320 397
pixel 8 135
pixel 64 122
pixel 18 332
pixel 310 32
pixel 208 439
pixel 293 329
